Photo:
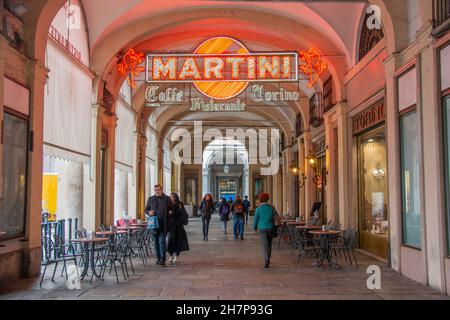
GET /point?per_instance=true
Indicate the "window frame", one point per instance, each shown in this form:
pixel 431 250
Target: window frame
pixel 26 118
pixel 446 168
pixel 406 112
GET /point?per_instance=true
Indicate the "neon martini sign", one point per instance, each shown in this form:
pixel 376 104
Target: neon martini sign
pixel 222 68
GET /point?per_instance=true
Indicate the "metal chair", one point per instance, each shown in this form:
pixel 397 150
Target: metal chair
pixel 54 253
pixel 345 244
pixel 307 246
pixel 110 255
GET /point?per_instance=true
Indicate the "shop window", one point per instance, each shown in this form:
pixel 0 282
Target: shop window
pixel 13 197
pixel 446 105
pixel 410 171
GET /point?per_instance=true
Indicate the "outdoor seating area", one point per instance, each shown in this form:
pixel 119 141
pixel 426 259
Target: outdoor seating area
pixel 97 252
pixel 326 244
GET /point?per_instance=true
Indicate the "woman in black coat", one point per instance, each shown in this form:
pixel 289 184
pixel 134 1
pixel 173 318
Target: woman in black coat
pixel 206 208
pixel 178 240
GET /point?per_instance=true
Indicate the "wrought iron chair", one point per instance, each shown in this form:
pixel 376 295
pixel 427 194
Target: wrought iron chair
pixel 112 254
pixel 307 247
pixel 54 253
pixel 345 245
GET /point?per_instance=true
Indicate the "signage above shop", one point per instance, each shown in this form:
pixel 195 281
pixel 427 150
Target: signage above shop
pixel 369 118
pixel 224 71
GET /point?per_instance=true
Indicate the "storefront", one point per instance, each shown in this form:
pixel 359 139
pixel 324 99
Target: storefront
pixel 369 133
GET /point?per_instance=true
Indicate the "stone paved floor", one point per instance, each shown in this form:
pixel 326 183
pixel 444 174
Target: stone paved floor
pixel 229 269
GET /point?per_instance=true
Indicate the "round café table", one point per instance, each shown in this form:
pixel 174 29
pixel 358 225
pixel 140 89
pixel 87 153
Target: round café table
pixel 110 234
pixel 296 223
pixel 306 227
pixel 89 253
pixel 325 237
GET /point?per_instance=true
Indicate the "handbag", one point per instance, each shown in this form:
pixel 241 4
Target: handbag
pixel 276 218
pixel 153 223
pixel 276 222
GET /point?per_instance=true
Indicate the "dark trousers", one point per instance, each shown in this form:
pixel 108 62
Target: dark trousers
pixel 159 238
pixel 266 237
pixel 238 226
pixel 205 225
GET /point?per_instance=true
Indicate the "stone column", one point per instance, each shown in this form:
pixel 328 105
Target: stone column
pixel 309 173
pixel 110 122
pixel 433 192
pixel 139 170
pixel 338 176
pixel 205 181
pixel 392 142
pixel 3 48
pixel 36 76
pixel 91 189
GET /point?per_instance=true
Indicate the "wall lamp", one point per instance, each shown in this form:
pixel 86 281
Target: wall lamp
pixel 295 170
pixel 313 162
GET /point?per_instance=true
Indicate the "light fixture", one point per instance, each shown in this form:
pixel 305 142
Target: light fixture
pixel 226 169
pixel 312 161
pixel 301 176
pixel 378 172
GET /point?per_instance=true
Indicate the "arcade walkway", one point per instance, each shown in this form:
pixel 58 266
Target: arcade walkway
pixel 228 269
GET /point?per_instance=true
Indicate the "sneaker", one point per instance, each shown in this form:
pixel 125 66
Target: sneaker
pixel 170 259
pixel 163 263
pixel 158 262
pixel 242 238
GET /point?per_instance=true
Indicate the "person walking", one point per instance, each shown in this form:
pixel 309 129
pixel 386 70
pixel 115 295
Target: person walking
pixel 247 205
pixel 263 223
pixel 206 209
pixel 238 210
pixel 224 212
pixel 160 205
pixel 178 240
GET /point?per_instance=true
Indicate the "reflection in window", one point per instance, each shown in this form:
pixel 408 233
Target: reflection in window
pixel 373 182
pixel 410 181
pixel 12 203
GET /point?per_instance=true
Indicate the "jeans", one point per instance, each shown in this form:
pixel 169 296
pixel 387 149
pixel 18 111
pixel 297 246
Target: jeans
pixel 159 239
pixel 246 217
pixel 224 226
pixel 205 225
pixel 238 226
pixel 266 237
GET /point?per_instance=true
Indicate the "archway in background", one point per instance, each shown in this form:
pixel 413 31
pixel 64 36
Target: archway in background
pixel 225 169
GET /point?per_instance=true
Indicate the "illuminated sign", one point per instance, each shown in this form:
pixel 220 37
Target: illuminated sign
pixel 222 67
pixel 313 65
pixel 130 65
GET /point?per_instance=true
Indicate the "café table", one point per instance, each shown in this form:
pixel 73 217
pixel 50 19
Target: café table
pixel 110 234
pixel 325 236
pixel 89 253
pixel 296 223
pixel 307 227
pixel 131 228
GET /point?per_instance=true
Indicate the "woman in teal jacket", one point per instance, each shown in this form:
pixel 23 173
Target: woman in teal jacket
pixel 263 223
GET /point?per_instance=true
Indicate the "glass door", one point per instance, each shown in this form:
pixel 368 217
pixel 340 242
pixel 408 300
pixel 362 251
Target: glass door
pixel 373 212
